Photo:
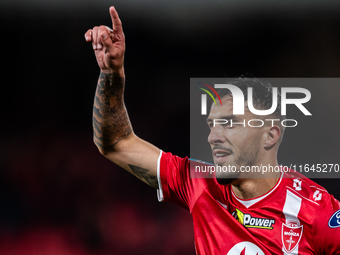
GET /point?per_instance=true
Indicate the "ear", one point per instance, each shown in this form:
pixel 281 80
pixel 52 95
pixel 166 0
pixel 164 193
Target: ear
pixel 272 136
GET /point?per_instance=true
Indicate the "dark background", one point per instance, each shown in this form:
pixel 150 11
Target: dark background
pixel 58 195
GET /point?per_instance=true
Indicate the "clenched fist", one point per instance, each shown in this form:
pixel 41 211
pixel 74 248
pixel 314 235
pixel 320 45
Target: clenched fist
pixel 108 45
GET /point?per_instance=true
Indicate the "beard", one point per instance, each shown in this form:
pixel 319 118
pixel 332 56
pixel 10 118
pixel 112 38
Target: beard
pixel 247 158
pixel 226 181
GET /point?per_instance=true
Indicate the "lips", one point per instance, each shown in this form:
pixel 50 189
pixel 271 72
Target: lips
pixel 221 154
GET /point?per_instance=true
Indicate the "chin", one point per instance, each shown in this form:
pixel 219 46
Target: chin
pixel 227 178
pixel 225 181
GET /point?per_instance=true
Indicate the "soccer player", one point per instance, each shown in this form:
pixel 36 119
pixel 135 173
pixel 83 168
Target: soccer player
pixel 232 213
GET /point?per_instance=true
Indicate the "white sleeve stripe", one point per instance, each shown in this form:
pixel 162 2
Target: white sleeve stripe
pixel 159 190
pixel 324 190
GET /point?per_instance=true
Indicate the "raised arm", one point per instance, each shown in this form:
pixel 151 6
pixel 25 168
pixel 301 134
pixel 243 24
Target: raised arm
pixel 112 130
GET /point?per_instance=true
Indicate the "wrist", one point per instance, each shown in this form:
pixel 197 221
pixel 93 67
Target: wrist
pixel 120 72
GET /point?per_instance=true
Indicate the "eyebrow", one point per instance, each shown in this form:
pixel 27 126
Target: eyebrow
pixel 226 117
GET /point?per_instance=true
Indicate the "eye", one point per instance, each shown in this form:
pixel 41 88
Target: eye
pixel 224 125
pixel 227 125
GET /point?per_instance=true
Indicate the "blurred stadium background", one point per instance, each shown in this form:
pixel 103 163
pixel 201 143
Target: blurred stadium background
pixel 58 195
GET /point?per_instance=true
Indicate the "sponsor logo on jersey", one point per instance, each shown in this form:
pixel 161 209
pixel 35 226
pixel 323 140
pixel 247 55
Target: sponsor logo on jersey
pixel 291 236
pixel 253 222
pixel 334 221
pixel 297 184
pixel 317 196
pixel 245 248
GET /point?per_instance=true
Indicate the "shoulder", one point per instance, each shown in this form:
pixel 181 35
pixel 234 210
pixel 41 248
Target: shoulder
pixel 308 190
pixel 184 165
pixel 319 212
pixel 186 171
pixel 201 169
pixel 173 160
pixel 183 180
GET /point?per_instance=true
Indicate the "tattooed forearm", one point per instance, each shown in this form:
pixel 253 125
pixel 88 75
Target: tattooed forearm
pixel 110 119
pixel 144 174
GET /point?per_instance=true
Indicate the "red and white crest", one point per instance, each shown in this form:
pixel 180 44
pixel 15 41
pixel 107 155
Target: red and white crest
pixel 291 236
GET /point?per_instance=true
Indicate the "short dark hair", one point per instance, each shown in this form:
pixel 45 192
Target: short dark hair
pixel 262 95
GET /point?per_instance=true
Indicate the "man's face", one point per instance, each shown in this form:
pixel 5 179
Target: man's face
pixel 235 146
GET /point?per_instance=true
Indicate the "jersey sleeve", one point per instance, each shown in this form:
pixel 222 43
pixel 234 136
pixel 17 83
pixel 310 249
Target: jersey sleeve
pixel 327 228
pixel 175 184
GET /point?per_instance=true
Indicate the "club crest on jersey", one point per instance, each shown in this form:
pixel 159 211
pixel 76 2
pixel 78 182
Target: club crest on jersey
pixel 334 221
pixel 291 236
pixel 253 222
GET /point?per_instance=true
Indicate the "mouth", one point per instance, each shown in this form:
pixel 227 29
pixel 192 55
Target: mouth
pixel 221 154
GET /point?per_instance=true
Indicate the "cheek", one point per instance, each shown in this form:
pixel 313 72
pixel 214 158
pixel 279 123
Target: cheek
pixel 247 138
pixel 254 140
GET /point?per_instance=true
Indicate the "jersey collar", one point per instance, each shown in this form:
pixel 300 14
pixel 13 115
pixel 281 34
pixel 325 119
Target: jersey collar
pixel 255 202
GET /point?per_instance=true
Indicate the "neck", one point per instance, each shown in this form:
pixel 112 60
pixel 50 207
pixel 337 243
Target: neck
pixel 254 187
pixel 248 188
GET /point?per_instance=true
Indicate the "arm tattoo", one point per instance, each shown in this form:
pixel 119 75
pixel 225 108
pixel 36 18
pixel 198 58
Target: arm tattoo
pixel 144 175
pixel 110 119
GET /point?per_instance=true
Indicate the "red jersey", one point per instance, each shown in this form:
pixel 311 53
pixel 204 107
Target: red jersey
pixel 297 216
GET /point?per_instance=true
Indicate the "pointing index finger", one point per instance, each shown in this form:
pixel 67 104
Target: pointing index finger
pixel 116 23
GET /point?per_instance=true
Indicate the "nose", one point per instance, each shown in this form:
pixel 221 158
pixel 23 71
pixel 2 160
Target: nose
pixel 216 135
